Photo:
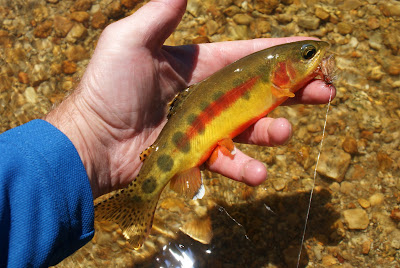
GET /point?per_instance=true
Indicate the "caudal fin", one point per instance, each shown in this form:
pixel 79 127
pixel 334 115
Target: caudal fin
pixel 133 215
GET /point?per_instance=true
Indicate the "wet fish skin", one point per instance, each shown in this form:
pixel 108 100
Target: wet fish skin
pixel 203 120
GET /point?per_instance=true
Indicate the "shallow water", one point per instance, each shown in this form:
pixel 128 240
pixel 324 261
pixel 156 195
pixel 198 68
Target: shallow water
pixel 358 175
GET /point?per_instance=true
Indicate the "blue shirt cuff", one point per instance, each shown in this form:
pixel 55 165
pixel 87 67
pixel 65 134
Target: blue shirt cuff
pixel 46 196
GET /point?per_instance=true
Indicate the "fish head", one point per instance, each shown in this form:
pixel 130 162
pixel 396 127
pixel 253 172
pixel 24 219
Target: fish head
pixel 295 64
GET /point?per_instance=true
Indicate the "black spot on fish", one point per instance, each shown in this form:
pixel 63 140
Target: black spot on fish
pixel 191 118
pixel 199 126
pixel 148 186
pixel 246 95
pixel 165 162
pixel 204 105
pixel 264 71
pixel 181 142
pixel 137 198
pixel 217 95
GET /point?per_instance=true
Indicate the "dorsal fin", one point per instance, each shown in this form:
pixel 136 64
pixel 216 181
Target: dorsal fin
pixel 178 100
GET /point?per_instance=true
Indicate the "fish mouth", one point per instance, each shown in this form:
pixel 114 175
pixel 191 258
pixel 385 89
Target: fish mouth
pixel 326 70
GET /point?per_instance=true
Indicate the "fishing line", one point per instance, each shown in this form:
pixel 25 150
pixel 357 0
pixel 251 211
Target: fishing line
pixel 315 175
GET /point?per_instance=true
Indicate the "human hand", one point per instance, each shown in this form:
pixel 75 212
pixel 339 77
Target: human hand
pixel 119 107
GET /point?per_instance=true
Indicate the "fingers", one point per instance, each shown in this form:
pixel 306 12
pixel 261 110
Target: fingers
pixel 150 26
pixel 316 92
pixel 241 168
pixel 267 132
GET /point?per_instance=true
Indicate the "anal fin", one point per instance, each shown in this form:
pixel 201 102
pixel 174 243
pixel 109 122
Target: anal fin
pixel 132 214
pixel 187 183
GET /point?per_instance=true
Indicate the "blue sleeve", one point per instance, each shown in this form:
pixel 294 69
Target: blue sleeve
pixel 46 203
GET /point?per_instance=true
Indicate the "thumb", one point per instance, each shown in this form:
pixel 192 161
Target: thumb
pixel 149 26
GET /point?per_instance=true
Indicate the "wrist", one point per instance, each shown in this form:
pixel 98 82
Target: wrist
pixel 71 118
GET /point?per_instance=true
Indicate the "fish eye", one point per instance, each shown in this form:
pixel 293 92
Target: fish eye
pixel 308 51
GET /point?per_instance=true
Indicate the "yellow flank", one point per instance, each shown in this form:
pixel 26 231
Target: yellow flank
pixel 218 108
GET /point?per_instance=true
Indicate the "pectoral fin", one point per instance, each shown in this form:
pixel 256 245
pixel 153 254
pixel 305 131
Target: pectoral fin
pixel 226 146
pixel 281 92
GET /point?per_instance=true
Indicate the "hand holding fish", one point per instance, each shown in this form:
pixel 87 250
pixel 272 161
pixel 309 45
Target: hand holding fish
pixel 120 105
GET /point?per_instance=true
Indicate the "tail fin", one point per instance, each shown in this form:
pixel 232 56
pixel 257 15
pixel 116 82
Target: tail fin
pixel 133 215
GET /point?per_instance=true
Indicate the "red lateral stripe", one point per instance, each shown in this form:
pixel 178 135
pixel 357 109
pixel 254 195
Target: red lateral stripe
pixel 241 128
pixel 218 106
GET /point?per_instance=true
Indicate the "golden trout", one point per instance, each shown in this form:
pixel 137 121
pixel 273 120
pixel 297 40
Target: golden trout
pixel 202 120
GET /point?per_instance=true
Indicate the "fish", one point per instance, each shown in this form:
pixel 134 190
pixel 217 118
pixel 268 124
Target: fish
pixel 202 120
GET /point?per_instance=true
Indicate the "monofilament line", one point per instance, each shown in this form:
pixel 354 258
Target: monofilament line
pixel 315 175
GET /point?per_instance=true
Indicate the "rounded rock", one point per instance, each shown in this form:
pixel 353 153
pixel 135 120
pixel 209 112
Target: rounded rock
pixel 356 219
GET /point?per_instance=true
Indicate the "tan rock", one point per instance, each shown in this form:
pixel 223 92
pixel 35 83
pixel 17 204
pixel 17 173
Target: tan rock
pixel 395 214
pixel 284 18
pixel 23 77
pixel 244 19
pixel 364 203
pixel 376 199
pixel 5 39
pixel 344 28
pixel 80 16
pixel 384 160
pixel 81 5
pixel 76 53
pixel 373 23
pixel 39 74
pixel 310 23
pixel 390 9
pixel 334 164
pixel 201 40
pixel 266 6
pixel 62 25
pixel 5 82
pixel 231 11
pixel 99 21
pixel 356 218
pixel 31 95
pixel 68 67
pixel 349 145
pixel 44 29
pixel 76 33
pixel 351 4
pixel 129 3
pixel 114 10
pixel 329 260
pixel 321 13
pixel 346 187
pixel 279 184
pixel 366 246
pixel 335 187
pixel 375 73
pixel 394 67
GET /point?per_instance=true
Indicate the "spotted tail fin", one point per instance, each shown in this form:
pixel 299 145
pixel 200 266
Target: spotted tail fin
pixel 133 215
